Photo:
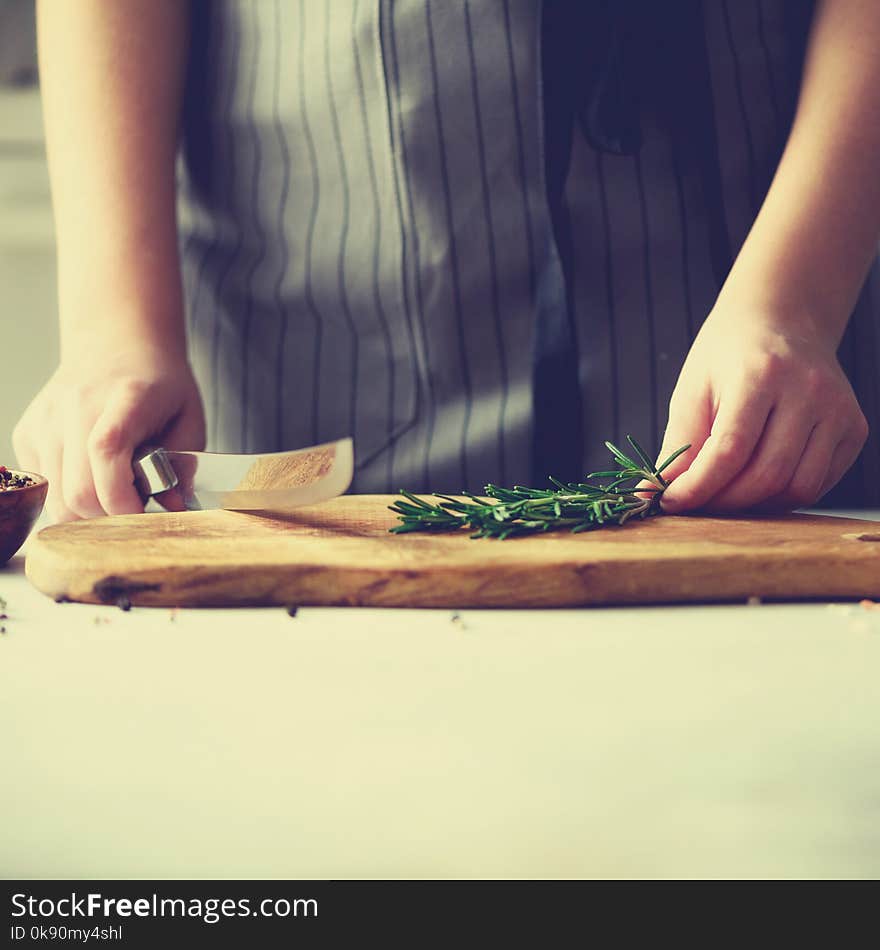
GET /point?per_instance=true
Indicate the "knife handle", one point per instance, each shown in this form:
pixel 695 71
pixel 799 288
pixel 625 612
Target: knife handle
pixel 153 473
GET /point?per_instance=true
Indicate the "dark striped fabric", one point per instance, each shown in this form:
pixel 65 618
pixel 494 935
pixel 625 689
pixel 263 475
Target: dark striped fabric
pixel 369 246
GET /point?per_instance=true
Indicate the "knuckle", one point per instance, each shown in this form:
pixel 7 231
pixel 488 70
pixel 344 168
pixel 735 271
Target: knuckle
pixel 730 447
pixel 58 514
pixel 79 497
pixel 769 365
pixel 833 407
pixel 106 440
pixel 815 384
pixel 82 393
pixel 133 390
pixel 861 429
pixel 772 476
pixel 802 494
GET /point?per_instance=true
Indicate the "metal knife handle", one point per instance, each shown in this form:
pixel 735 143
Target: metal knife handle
pixel 153 473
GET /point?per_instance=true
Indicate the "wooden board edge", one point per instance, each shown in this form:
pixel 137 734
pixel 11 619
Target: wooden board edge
pixel 510 585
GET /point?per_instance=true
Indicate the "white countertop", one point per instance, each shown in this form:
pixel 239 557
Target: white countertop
pixel 670 741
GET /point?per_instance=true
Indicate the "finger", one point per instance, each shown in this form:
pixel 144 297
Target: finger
pixel 845 454
pixel 77 485
pixel 690 426
pixel 172 500
pixel 686 426
pixel 735 432
pixel 773 462
pixel 805 486
pixel 51 464
pixel 128 420
pixel 186 432
pixel 26 455
pixel 46 463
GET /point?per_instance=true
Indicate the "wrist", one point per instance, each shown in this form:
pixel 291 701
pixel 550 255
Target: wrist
pixel 777 309
pixel 120 338
pixel 122 288
pixel 118 319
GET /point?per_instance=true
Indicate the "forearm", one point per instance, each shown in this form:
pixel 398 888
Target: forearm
pixel 810 248
pixel 112 79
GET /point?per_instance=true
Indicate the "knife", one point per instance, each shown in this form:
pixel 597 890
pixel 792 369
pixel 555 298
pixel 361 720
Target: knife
pixel 277 481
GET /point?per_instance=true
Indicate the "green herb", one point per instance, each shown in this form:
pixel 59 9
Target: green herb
pixel 579 506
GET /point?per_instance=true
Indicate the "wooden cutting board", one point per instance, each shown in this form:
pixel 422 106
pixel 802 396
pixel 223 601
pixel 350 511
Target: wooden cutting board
pixel 340 553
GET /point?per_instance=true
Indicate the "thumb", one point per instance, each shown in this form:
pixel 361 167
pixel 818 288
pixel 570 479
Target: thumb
pixel 186 430
pixel 185 433
pixel 132 415
pixel 689 424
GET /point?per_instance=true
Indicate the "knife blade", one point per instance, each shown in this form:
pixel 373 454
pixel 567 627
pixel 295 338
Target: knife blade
pixel 275 481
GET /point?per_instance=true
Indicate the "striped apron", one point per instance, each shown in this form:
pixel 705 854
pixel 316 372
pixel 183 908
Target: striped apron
pixel 372 244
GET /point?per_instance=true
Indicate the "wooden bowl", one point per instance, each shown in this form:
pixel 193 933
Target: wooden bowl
pixel 19 510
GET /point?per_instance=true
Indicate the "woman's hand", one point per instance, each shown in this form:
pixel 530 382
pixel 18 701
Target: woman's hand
pixel 83 427
pixel 112 146
pixel 772 419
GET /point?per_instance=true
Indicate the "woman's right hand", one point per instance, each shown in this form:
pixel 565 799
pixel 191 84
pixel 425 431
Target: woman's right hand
pixel 84 425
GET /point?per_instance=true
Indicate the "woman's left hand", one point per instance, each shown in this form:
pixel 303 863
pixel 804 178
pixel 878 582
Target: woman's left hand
pixel 772 420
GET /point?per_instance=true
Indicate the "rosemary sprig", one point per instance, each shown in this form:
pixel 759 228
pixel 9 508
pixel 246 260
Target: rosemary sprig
pixel 579 506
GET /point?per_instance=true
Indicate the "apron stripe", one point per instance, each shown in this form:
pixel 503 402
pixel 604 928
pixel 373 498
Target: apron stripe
pixel 455 275
pixel 520 146
pixel 281 307
pixel 521 167
pixel 345 213
pixel 398 172
pixel 744 113
pixel 309 297
pixel 416 362
pixel 607 244
pixel 492 256
pixel 706 143
pixel 259 235
pixel 378 230
pixel 768 65
pixel 685 239
pixel 228 269
pixel 202 67
pixel 650 316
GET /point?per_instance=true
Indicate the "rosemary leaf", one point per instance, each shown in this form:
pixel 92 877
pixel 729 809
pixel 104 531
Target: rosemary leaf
pixel 578 506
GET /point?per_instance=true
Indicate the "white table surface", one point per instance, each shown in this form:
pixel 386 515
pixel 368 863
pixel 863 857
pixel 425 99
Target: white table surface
pixel 671 741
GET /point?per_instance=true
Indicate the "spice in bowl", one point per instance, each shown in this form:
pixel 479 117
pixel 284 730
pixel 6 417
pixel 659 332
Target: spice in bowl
pixel 10 480
pixel 22 496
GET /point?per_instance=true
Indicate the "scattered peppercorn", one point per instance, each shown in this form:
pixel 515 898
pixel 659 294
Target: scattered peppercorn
pixel 457 620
